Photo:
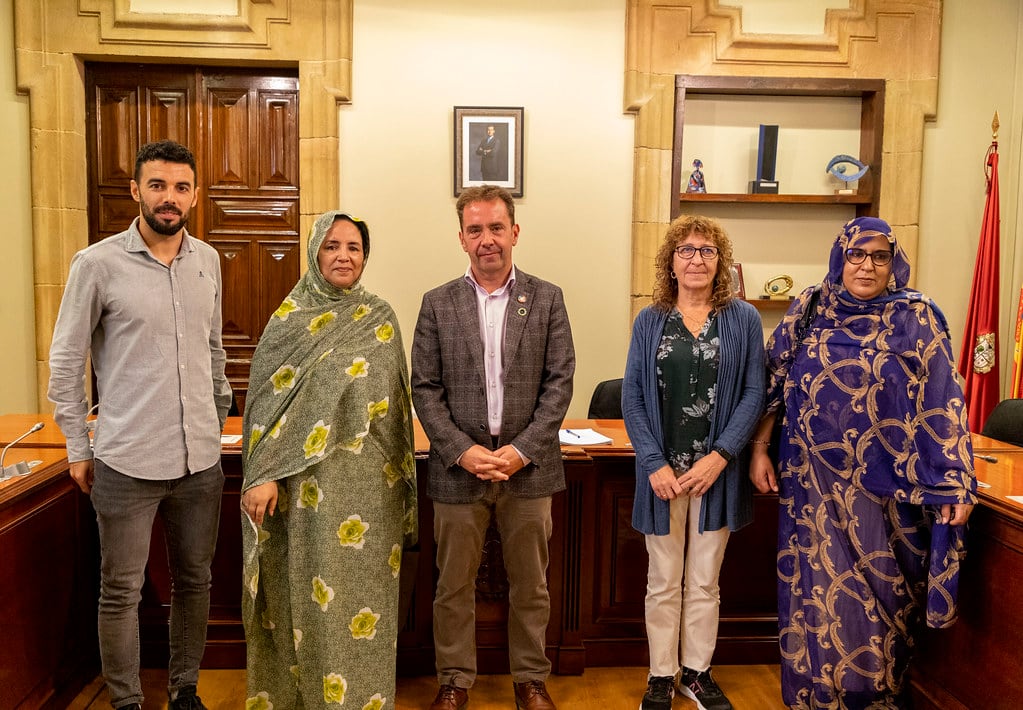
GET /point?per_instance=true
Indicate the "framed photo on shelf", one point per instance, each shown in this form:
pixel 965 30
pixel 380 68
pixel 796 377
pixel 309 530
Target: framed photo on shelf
pixel 738 287
pixel 488 147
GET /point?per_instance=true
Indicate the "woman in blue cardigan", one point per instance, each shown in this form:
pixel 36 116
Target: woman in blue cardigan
pixel 692 395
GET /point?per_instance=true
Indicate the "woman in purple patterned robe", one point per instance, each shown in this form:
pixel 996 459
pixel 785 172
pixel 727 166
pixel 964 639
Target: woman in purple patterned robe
pixel 875 476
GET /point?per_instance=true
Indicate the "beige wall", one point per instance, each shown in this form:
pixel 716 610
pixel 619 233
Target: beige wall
pixel 191 7
pixel 785 16
pixel 17 346
pixel 563 61
pixel 981 72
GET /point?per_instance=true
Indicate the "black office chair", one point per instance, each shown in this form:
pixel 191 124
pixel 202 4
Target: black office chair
pixel 606 402
pixel 1005 422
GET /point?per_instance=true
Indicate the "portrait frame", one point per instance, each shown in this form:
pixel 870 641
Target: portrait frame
pixel 472 157
pixel 738 285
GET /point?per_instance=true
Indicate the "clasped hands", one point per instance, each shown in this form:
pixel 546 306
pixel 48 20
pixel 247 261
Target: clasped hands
pixel 693 483
pixel 488 465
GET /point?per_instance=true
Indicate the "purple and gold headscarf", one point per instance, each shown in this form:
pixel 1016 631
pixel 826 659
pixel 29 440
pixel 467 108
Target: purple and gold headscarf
pixel 854 234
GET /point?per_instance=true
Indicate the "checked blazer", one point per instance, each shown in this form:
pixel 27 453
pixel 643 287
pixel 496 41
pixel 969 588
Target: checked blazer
pixel 449 389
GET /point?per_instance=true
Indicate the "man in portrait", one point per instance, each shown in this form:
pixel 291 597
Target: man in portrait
pixel 493 165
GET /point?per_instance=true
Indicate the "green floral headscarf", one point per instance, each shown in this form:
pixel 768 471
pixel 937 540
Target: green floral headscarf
pixel 329 376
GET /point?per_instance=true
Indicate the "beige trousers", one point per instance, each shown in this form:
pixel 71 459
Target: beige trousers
pixel 682 592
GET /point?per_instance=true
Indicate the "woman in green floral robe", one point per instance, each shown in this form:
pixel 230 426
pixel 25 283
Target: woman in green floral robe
pixel 329 496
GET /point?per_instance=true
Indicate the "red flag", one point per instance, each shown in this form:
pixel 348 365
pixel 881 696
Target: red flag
pixel 978 361
pixel 1016 386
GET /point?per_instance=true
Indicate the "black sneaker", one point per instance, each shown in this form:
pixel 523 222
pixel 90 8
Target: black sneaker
pixel 186 700
pixel 659 692
pixel 702 688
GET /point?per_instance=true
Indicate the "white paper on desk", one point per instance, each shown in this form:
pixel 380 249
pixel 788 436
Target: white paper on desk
pixel 581 437
pixel 230 438
pixel 1016 499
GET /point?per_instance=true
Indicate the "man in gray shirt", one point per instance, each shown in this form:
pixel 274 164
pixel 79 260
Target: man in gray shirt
pixel 146 304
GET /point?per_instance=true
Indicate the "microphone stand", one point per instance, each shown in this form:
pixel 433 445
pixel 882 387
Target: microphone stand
pixel 21 468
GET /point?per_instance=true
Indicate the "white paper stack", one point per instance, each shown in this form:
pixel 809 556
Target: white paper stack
pixel 581 437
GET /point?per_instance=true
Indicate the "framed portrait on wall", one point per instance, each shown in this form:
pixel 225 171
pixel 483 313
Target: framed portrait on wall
pixel 488 147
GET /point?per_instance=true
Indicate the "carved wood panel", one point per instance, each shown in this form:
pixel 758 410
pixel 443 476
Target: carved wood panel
pixel 228 119
pixel 128 106
pixel 115 106
pixel 242 126
pixel 236 269
pixel 278 159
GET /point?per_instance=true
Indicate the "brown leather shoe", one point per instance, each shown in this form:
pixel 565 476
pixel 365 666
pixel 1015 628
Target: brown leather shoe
pixel 533 695
pixel 450 697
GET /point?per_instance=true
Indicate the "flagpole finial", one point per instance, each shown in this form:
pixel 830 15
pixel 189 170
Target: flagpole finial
pixel 994 127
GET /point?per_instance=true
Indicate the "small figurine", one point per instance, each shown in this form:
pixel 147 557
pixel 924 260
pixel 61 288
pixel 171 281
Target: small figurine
pixel 696 183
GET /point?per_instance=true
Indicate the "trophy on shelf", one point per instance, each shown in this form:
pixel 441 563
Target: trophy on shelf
pixel 696 183
pixel 777 289
pixel 767 155
pixel 838 167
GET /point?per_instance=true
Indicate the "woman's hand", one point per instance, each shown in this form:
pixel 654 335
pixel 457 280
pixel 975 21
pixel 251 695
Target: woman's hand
pixel 664 483
pixel 956 514
pixel 259 500
pixel 761 470
pixel 702 474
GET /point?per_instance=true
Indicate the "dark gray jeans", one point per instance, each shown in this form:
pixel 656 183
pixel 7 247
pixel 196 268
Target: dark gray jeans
pixel 125 509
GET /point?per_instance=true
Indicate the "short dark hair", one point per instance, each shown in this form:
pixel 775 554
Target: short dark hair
pixel 166 150
pixel 361 226
pixel 484 193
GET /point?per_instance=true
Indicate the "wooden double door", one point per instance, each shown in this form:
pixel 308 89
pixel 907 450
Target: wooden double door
pixel 242 126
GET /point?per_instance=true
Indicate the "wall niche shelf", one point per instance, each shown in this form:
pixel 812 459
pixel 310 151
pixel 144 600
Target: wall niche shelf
pixel 869 92
pixel 770 304
pixel 853 199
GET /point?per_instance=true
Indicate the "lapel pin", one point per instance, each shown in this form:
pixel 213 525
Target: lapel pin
pixel 522 299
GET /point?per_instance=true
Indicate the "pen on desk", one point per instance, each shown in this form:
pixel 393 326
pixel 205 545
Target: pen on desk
pixel 569 431
pixel 985 457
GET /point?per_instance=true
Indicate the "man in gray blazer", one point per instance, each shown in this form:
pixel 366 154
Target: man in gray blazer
pixel 492 366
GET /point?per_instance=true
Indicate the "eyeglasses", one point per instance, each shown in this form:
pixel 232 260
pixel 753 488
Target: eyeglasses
pixel 688 251
pixel 858 256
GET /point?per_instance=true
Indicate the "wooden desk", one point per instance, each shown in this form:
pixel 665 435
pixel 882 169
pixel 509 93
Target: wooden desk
pixel 983 443
pixel 1004 477
pixel 597 582
pixel 976 663
pixel 49 584
pixel 14 425
pixel 614 429
pixel 597 576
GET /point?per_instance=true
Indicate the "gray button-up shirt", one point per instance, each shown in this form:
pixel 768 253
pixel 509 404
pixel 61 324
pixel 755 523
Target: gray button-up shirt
pixel 154 333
